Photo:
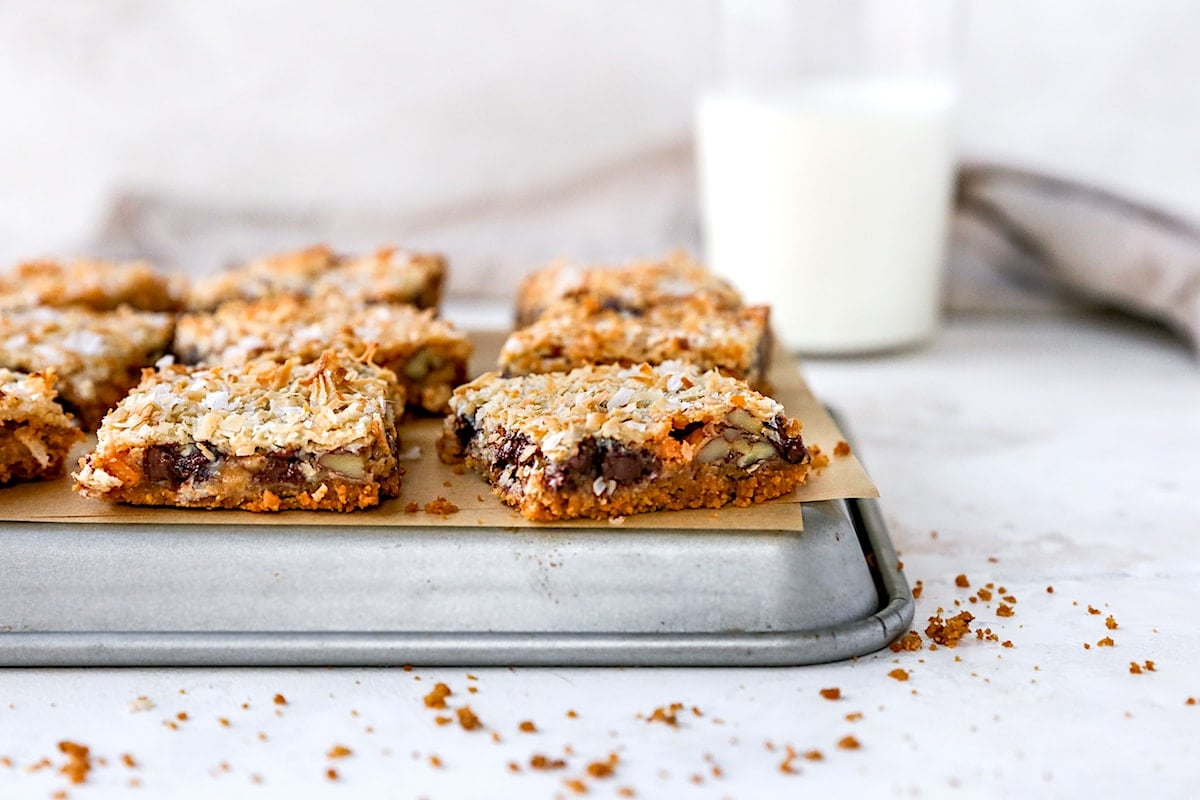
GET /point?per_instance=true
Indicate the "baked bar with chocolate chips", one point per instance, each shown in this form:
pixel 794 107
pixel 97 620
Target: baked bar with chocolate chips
pixel 90 283
pixel 389 275
pixel 97 356
pixel 35 433
pixel 604 441
pixel 265 436
pixel 735 341
pixel 428 355
pixel 632 287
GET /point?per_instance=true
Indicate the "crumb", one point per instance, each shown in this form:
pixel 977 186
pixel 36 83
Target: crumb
pixel 1134 669
pixel 541 762
pixel 331 774
pixel 1008 598
pixel 666 714
pixel 1093 610
pixel 245 706
pixel 442 720
pixel 848 743
pixel 1087 646
pixel 514 766
pixel 437 697
pixel 435 761
pixel 467 719
pixel 854 716
pixel 338 751
pixel 898 674
pixel 5 761
pixel 1191 701
pixel 814 755
pixel 79 762
pixel 262 736
pixel 527 726
pixel 447 485
pixel 841 449
pixel 984 595
pixel 625 791
pixel 1148 666
pixel 61 794
pixel 280 700
pixel 441 506
pixel 1049 590
pixel 496 737
pixel 787 766
pixel 223 721
pixel 182 716
pixel 128 761
pixel 1105 642
pixel 170 723
pixel 412 508
pixel 1006 643
pixel 918 587
pixel 909 643
pixel 571 714
pixel 961 581
pixel 600 769
pixel 135 783
pixel 831 694
pixel 256 778
pixel 576 785
pixel 948 632
pixel 1110 623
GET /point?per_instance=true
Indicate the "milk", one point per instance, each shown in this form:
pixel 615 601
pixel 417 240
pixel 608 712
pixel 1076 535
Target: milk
pixel 829 200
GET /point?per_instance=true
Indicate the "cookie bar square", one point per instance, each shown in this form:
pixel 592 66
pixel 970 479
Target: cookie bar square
pixel 428 355
pixel 604 441
pixel 389 275
pixel 261 437
pixel 90 283
pixel 735 341
pixel 631 287
pixel 97 356
pixel 35 433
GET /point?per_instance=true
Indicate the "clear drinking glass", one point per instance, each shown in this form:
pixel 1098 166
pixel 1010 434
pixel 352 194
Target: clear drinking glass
pixel 826 158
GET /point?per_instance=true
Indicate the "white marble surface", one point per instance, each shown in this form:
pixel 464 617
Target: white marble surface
pixel 1042 451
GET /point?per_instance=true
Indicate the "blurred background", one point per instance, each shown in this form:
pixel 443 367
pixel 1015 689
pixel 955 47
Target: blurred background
pixel 504 133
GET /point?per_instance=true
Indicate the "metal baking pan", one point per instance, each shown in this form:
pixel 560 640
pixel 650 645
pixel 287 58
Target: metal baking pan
pixel 220 595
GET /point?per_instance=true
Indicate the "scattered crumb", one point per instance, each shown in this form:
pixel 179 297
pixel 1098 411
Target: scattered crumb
pixel 331 774
pixel 831 694
pixel 854 716
pixel 1049 590
pixel 338 751
pixel 1191 701
pixel 182 716
pixel 961 581
pixel 984 594
pixel 603 769
pixel 666 714
pixel 626 791
pixel 1110 623
pixel 909 643
pixel 437 697
pixel 898 674
pixel 841 449
pixel 1093 610
pixel 223 721
pixel 788 766
pixel 435 762
pixel 527 726
pixel 412 508
pixel 541 762
pixel 848 743
pixel 1004 610
pixel 1134 668
pixel 576 785
pixel 514 766
pixel 128 761
pixel 948 632
pixel 443 720
pixel 571 714
pixel 280 700
pixel 1107 641
pixel 1006 643
pixel 918 587
pixel 814 755
pixel 467 719
pixel 441 506
pixel 79 762
pixel 262 736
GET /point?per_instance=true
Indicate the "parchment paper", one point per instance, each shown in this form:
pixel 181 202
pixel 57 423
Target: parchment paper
pixel 427 478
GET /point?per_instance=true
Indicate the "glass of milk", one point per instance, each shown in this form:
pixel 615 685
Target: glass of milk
pixel 826 158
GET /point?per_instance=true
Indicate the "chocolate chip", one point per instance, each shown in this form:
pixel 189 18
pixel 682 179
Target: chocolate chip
pixel 790 447
pixel 278 469
pixel 579 468
pixel 169 463
pixel 464 431
pixel 626 466
pixel 510 449
pixel 681 434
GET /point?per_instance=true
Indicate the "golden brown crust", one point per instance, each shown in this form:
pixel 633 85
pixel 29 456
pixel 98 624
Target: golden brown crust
pixel 388 275
pixel 696 331
pixel 91 283
pixel 634 286
pixel 97 356
pixel 428 355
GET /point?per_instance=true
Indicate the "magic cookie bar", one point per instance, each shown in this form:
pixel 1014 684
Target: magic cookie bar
pixel 262 437
pixel 35 433
pixel 99 285
pixel 631 287
pixel 428 355
pixel 737 341
pixel 603 441
pixel 96 355
pixel 386 276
